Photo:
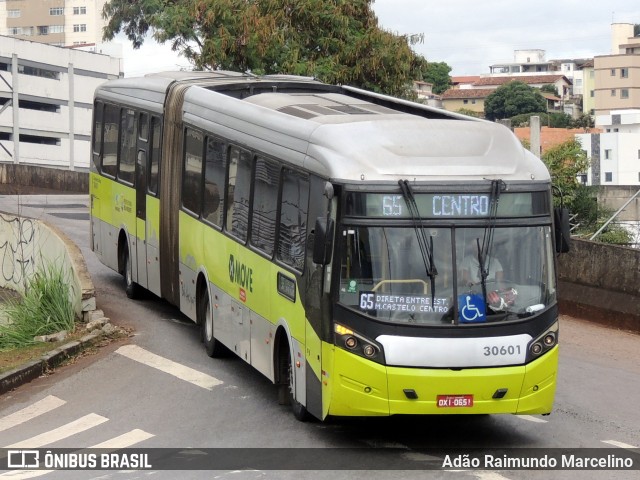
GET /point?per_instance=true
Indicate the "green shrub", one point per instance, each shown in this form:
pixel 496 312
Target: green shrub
pixel 45 309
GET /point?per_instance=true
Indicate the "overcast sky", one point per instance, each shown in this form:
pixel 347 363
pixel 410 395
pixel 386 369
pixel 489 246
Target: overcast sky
pixel 470 35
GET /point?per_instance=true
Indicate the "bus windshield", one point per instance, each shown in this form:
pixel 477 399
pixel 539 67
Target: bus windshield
pixel 385 275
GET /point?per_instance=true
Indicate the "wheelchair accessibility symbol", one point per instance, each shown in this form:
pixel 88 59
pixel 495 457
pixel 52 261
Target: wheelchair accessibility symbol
pixel 472 308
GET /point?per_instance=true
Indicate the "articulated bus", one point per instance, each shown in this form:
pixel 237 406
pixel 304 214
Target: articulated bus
pixel 368 255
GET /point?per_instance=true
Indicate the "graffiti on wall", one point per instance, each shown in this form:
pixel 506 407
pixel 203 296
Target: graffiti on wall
pixel 17 250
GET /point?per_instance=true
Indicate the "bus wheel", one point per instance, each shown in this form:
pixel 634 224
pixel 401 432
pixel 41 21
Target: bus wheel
pixel 131 288
pixel 205 317
pixel 299 410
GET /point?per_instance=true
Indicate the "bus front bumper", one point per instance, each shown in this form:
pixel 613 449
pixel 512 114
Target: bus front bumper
pixel 359 387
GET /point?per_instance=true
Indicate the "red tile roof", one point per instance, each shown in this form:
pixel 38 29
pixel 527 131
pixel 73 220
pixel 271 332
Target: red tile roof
pixel 462 93
pixel 528 79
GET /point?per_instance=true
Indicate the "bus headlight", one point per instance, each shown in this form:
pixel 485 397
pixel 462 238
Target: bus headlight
pixel 358 344
pixel 544 342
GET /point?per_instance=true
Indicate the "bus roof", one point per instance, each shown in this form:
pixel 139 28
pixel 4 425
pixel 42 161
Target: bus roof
pixel 343 133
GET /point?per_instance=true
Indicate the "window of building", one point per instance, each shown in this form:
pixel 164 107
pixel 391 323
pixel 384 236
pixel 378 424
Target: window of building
pixel 592 74
pixel 265 205
pixel 80 27
pixel 624 93
pixel 613 92
pixel 592 93
pixel 56 29
pixel 613 72
pixel 293 217
pixel 37 139
pixel 465 101
pixel 608 176
pixel 607 154
pixel 129 137
pixel 56 11
pixel 39 72
pixel 14 13
pixel 15 31
pixel 39 106
pixel 215 170
pixel 238 191
pixel 624 72
pixel 192 176
pixel 79 10
pixel 43 30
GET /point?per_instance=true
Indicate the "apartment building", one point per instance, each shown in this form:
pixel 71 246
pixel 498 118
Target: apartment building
pixel 46 102
pixel 617 76
pixel 63 23
pixel 614 153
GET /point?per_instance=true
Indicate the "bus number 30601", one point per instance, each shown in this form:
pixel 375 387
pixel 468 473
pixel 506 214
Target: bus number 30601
pixel 496 351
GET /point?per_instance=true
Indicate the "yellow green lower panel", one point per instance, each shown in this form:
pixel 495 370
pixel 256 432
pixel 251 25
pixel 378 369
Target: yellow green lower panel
pixel 358 387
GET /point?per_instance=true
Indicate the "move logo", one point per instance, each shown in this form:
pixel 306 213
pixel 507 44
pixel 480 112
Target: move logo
pixel 240 274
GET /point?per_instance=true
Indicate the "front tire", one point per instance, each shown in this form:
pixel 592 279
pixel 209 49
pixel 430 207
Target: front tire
pixel 131 288
pixel 299 410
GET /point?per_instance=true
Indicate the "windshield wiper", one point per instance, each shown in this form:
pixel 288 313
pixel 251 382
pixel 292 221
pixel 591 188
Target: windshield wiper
pixel 487 239
pixel 426 246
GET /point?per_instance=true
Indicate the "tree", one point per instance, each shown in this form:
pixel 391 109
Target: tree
pixel 337 41
pixel 437 73
pixel 513 98
pixel 565 162
pixel 550 88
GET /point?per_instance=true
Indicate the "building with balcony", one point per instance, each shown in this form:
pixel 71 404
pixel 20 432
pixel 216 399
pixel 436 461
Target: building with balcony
pixel 617 76
pixel 63 23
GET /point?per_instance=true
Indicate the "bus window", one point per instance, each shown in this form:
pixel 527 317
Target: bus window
pixel 192 177
pixel 293 218
pixel 214 179
pixel 265 205
pixel 128 139
pixel 97 132
pixel 238 192
pixel 143 127
pixel 110 146
pixel 155 156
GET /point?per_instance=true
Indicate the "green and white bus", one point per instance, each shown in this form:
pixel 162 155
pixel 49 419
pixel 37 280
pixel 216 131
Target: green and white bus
pixel 368 255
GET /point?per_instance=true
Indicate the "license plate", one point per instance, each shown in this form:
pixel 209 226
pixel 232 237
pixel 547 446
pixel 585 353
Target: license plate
pixel 445 401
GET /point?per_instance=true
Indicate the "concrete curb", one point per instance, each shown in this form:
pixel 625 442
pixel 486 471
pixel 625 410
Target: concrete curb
pixel 36 368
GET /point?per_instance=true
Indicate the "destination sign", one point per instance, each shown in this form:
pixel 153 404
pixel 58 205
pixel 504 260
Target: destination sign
pixel 372 301
pixel 447 205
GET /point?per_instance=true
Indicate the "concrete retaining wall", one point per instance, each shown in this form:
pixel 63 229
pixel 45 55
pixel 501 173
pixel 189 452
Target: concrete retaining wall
pixel 28 245
pixel 23 178
pixel 601 282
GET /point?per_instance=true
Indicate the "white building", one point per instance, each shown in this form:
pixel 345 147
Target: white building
pixel 53 88
pixel 615 154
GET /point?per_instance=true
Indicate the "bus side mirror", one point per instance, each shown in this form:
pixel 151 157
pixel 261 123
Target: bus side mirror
pixel 562 229
pixel 322 244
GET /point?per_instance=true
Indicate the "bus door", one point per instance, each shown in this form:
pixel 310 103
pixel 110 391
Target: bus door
pixel 152 205
pixel 141 198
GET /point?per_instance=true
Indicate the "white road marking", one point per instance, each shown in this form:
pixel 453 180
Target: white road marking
pixel 618 444
pixel 77 426
pixel 123 441
pixel 531 418
pixel 169 366
pixel 32 411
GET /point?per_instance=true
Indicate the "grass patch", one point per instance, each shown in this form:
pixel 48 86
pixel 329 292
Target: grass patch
pixel 10 359
pixel 45 309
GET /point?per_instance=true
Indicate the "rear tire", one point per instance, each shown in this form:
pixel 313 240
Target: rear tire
pixel 205 316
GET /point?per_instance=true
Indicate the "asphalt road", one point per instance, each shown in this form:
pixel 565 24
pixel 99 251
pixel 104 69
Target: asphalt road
pixel 187 399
